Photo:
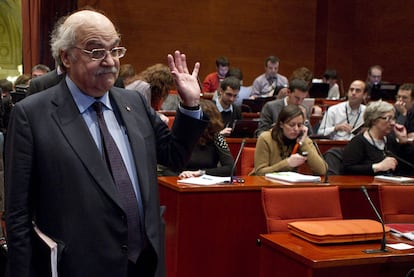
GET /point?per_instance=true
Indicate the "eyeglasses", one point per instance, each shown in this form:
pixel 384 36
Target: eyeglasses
pixel 100 54
pixel 388 118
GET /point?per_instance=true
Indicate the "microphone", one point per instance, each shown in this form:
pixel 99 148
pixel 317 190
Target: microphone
pixel 232 179
pixel 325 178
pixel 383 241
pixel 389 153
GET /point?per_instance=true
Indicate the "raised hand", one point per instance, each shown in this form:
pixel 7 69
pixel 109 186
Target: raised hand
pixel 187 84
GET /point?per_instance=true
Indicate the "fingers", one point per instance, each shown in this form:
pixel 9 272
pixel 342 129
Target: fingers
pixel 196 69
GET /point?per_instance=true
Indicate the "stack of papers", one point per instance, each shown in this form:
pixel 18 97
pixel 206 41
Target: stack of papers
pixel 205 180
pixel 293 177
pixel 397 179
pixel 405 230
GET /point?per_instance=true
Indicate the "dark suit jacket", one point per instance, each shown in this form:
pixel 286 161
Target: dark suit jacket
pixel 45 81
pixel 56 177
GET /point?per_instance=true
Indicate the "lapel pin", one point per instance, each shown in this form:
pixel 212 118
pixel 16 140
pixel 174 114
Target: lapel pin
pixel 128 108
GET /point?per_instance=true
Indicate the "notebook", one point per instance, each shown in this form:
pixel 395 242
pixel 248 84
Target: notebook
pixel 244 128
pixel 319 90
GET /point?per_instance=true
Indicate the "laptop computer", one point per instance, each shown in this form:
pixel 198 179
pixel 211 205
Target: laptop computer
pixel 244 128
pixel 386 92
pixel 319 90
pixel 257 104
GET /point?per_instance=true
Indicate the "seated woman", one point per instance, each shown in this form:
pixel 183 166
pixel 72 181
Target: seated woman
pixel 211 155
pixel 274 147
pixel 368 152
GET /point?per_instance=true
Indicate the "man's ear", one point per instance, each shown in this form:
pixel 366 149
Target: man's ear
pixel 65 56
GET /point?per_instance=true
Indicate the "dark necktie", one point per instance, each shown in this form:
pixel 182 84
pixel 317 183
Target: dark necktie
pixel 125 188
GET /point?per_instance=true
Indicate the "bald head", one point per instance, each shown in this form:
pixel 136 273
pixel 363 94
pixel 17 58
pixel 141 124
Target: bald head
pixel 76 28
pixel 356 93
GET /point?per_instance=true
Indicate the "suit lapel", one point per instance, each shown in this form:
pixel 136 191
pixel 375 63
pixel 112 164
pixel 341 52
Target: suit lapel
pixel 131 120
pixel 74 128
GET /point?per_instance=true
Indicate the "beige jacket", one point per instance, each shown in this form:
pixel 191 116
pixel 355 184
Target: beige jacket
pixel 267 157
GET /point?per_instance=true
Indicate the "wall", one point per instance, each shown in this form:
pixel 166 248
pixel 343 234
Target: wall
pixel 10 38
pixel 346 35
pixel 245 31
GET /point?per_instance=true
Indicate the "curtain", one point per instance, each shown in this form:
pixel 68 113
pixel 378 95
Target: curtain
pixel 31 33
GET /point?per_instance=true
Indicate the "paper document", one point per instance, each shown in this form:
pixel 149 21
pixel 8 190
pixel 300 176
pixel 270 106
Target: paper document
pixel 405 230
pixel 204 180
pixel 53 250
pixel 400 246
pixel 397 179
pixel 293 177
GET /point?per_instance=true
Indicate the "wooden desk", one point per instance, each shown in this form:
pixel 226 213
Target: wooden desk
pixel 212 230
pixel 284 254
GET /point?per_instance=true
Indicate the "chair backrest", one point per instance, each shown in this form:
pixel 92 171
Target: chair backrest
pixel 284 205
pixel 397 205
pixel 333 158
pixel 247 160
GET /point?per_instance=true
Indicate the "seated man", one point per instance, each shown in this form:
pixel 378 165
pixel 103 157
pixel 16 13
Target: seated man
pixel 298 90
pixel 228 92
pixel 340 119
pixel 212 81
pixel 244 92
pixel 265 84
pixel 404 106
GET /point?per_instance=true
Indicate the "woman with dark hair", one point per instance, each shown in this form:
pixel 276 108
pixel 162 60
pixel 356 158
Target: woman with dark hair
pixel 371 152
pixel 275 148
pixel 211 155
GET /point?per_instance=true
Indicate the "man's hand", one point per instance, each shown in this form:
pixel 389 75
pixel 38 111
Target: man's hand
pixel 343 127
pixel 400 107
pixel 187 84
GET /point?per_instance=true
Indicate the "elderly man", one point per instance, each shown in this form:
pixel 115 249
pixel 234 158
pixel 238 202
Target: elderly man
pixel 81 162
pixel 341 121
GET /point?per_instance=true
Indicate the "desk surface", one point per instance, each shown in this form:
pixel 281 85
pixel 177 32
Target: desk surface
pixel 284 254
pixel 319 256
pixel 212 230
pixel 257 182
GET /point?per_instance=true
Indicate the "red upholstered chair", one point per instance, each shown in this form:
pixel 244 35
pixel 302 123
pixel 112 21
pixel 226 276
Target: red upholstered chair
pixel 284 205
pixel 247 160
pixel 397 203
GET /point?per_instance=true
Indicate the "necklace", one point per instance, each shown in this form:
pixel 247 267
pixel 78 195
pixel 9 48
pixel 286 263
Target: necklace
pixel 384 142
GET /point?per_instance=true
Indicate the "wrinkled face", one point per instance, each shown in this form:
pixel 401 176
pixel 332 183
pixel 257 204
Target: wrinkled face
pixel 272 69
pixel 356 93
pixel 93 77
pixel 228 96
pixel 385 123
pixel 296 97
pixel 405 96
pixel 375 76
pixel 292 128
pixel 222 70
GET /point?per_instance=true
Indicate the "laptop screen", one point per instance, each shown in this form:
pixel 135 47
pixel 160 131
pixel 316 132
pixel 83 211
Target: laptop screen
pixel 386 92
pixel 244 128
pixel 319 90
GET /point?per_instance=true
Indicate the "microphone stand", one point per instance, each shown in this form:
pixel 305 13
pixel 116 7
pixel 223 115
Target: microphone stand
pixel 388 152
pixel 239 180
pixel 383 240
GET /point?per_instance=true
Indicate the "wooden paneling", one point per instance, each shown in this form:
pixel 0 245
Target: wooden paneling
pixel 245 31
pixel 346 35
